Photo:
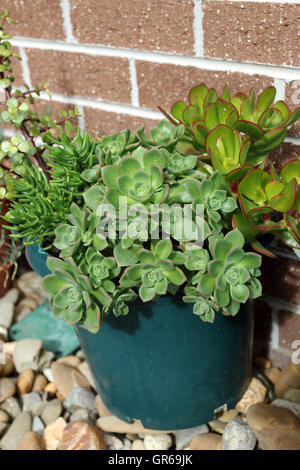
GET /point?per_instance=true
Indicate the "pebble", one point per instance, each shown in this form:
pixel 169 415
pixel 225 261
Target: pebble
pixel 7 389
pixel 51 388
pixel 217 425
pixel 20 426
pixel 275 428
pixel 25 381
pixel 256 393
pixel 138 444
pixel 292 395
pixel 30 401
pixel 80 398
pixel 157 441
pixel 66 378
pixel 238 436
pixel 48 374
pixel 72 361
pixel 31 441
pixel 39 408
pixel 184 436
pixel 288 378
pixel 26 354
pixel 82 415
pixel 113 424
pixel 113 442
pixel 9 347
pixel 272 374
pixel 24 308
pixel 100 407
pixel 39 383
pixel 228 416
pixel 11 296
pixel 53 434
pixel 30 284
pixel 51 412
pixel 38 425
pixel 206 441
pixel 12 407
pixel 289 405
pixel 263 362
pixel 45 360
pixel 4 418
pixel 7 307
pixel 82 436
pixel 3 333
pixel 7 368
pixel 86 372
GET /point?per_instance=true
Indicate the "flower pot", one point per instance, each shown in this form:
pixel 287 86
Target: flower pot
pixel 161 364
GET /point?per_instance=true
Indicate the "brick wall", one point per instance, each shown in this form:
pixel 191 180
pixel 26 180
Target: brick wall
pixel 119 59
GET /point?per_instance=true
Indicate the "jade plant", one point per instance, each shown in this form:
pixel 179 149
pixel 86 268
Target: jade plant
pixel 178 212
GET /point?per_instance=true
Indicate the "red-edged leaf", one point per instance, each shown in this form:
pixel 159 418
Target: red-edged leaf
pixel 254 130
pixel 257 246
pixel 168 116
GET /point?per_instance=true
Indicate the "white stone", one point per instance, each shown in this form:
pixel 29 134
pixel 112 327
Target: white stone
pixel 48 374
pixel 38 425
pixel 26 354
pixel 184 436
pixel 157 442
pixel 289 405
pixel 86 371
pixel 113 442
pixel 30 401
pixel 6 313
pixel 237 435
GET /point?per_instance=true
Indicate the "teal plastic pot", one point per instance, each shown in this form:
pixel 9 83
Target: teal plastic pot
pixel 161 364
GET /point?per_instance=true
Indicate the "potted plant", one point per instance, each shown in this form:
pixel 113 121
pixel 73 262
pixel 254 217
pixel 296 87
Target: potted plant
pixel 151 245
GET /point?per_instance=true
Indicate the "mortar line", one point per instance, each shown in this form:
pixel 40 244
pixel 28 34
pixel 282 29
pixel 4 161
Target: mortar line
pixel 67 24
pixel 198 29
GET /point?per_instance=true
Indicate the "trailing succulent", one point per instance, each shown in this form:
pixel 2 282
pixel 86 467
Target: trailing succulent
pixel 131 216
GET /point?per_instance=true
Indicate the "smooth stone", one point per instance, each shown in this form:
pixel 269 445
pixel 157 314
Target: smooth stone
pixel 237 435
pixel 30 401
pixel 272 374
pixel 53 434
pixel 289 405
pixel 87 373
pixel 39 408
pixel 3 334
pixel 80 398
pixel 292 395
pixel 31 441
pixel 157 442
pixel 38 425
pixel 207 441
pixel 55 334
pixel 12 407
pixel 66 378
pixel 39 383
pixel 113 424
pixel 51 412
pixel 100 407
pixel 217 425
pixel 30 284
pixel 6 313
pixel 7 389
pixel 20 426
pixel 263 362
pixel 7 368
pixel 228 416
pixel 25 381
pixel 11 296
pixel 184 436
pixel 288 378
pixel 26 354
pixel 126 444
pixel 112 442
pixel 82 415
pixel 82 436
pixel 275 428
pixel 255 393
pixel 51 388
pixel 138 444
pixel 4 417
pixel 48 374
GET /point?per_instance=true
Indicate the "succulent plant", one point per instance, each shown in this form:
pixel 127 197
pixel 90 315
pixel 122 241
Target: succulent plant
pixel 100 269
pixel 203 307
pixel 230 278
pixel 162 136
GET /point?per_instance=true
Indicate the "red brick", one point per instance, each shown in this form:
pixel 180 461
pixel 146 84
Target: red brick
pixel 280 358
pixel 163 84
pixel 281 278
pixel 262 328
pixel 84 75
pixel 106 123
pixel 17 69
pixel 35 18
pixel 289 328
pixel 284 153
pixel 263 32
pixel 161 26
pixel 292 96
